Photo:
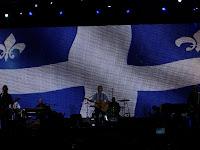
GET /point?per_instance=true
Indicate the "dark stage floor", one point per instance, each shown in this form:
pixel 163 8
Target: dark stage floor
pixel 134 133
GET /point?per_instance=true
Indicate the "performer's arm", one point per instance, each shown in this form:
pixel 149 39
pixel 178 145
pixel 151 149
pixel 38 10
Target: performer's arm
pixel 105 98
pixel 94 98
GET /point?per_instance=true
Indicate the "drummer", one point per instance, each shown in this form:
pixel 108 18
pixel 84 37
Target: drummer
pixel 114 108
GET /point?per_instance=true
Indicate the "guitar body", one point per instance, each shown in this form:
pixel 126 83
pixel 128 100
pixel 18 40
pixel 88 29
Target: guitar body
pixel 102 105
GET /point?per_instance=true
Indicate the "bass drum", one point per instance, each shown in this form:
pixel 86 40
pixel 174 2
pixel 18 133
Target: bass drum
pixel 113 112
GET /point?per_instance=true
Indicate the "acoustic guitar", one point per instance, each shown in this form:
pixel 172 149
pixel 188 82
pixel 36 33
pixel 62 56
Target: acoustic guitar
pixel 102 105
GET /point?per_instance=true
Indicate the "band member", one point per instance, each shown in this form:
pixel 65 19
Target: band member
pixel 5 101
pixel 41 105
pixel 193 103
pixel 6 98
pixel 99 98
pixel 193 98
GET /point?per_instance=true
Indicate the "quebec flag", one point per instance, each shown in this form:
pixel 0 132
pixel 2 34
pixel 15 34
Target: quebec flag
pixel 146 64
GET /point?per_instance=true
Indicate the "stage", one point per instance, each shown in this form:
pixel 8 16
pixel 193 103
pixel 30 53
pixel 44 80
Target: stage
pixel 128 132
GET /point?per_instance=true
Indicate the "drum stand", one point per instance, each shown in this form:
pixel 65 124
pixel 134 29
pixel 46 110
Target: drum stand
pixel 124 112
pixel 87 116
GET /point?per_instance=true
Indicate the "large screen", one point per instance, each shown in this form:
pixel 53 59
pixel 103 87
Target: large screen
pixel 144 64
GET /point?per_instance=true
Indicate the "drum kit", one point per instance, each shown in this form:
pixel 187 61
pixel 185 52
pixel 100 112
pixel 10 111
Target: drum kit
pixel 124 109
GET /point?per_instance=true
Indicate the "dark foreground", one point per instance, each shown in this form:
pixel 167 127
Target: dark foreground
pixel 134 133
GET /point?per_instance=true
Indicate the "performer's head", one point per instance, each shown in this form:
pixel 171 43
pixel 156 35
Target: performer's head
pixel 5 89
pixel 113 99
pixel 195 89
pixel 100 88
pixel 40 100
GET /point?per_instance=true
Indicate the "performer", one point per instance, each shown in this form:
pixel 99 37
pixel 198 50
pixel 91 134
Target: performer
pixel 193 103
pixel 193 98
pixel 5 101
pixel 42 108
pixel 41 105
pixel 101 104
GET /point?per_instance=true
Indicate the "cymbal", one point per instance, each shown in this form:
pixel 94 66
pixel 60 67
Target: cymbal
pixel 124 100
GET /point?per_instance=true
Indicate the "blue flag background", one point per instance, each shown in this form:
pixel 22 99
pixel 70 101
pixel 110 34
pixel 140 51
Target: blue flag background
pixel 43 46
pixel 155 44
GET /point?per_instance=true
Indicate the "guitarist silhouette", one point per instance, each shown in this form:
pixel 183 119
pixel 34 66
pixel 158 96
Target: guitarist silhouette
pixel 5 101
pixel 193 103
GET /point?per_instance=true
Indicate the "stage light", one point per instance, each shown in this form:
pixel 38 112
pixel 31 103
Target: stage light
pixel 179 1
pixel 21 13
pixel 6 15
pixel 51 3
pixel 195 9
pixel 30 14
pixel 164 9
pixel 128 11
pixel 109 6
pixel 36 5
pixel 97 12
pixel 61 12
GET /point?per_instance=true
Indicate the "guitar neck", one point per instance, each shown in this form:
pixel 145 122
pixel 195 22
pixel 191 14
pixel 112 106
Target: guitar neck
pixel 16 100
pixel 88 99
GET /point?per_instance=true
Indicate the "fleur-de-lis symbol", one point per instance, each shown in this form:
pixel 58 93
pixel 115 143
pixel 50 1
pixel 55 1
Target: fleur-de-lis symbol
pixel 10 46
pixel 195 43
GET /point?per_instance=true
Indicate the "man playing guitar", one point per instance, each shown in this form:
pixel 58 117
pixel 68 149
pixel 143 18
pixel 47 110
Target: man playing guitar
pixel 101 104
